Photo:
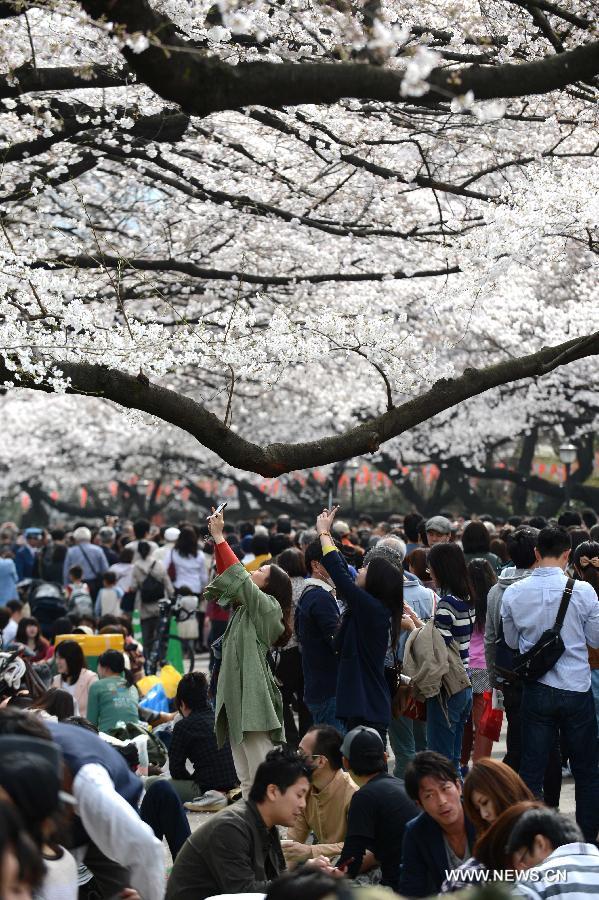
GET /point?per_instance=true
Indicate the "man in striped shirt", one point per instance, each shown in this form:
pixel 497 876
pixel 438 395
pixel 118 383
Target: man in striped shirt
pixel 549 855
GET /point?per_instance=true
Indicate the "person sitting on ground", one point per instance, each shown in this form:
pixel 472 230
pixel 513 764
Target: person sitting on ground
pixel 21 863
pixel 55 703
pixel 549 842
pixel 29 634
pixel 441 837
pixel 378 812
pixel 73 674
pixel 106 792
pixel 108 601
pixel 490 788
pixel 327 803
pixel 489 853
pixel 113 699
pixel 193 740
pixel 32 783
pixel 239 849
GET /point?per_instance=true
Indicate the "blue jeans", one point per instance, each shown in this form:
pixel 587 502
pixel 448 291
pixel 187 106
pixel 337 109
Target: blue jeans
pixel 407 737
pixel 444 733
pixel 545 712
pixel 324 714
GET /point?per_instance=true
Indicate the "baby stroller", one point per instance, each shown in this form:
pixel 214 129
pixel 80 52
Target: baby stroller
pixel 48 603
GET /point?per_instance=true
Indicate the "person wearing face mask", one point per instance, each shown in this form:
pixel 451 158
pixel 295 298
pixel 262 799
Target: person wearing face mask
pixel 249 705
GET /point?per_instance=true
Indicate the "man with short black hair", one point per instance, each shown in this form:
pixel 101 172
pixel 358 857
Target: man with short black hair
pixel 316 623
pixel 411 525
pixel 441 837
pixel 549 842
pixel 141 530
pixel 328 800
pixel 561 701
pixel 378 812
pixel 239 850
pixel 193 740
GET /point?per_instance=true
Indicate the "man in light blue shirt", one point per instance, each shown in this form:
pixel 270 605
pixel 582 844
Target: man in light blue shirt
pixel 89 556
pixel 561 700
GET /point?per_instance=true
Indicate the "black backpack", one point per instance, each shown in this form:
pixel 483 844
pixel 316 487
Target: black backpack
pixel 512 666
pixel 151 590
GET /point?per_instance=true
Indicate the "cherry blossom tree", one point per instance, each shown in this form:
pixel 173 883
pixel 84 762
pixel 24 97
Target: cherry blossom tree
pixel 301 231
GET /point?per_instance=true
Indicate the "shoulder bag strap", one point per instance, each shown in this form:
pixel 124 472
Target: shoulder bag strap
pixel 89 562
pixel 561 613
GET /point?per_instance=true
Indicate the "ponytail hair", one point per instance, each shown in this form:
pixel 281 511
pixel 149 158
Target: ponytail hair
pixel 143 548
pixel 115 661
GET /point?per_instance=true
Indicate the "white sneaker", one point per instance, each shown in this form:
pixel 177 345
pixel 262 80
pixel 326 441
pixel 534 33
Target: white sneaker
pixel 211 801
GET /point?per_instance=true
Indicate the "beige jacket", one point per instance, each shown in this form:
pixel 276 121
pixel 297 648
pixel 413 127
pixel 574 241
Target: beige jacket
pixel 431 665
pixel 80 689
pixel 326 815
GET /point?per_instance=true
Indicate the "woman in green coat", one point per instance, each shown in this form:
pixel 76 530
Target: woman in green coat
pixel 249 706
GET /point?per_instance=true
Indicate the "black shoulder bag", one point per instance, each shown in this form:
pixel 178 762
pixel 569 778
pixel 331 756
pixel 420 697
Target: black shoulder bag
pixel 542 657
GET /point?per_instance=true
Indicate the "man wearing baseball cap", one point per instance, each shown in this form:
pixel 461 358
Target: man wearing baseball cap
pixel 378 812
pixel 438 530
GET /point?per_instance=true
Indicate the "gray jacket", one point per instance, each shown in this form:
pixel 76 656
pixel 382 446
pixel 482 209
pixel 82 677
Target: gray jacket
pixel 508 576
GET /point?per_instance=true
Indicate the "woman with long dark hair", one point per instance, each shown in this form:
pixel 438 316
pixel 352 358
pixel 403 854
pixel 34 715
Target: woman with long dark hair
pixel 73 674
pixel 585 560
pixel 289 663
pixel 454 618
pixel 476 544
pixel 249 706
pixel 482 578
pixel 56 702
pixel 30 635
pixel 374 611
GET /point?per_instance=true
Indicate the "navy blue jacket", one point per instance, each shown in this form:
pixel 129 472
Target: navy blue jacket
pixel 362 690
pixel 79 748
pixel 316 621
pixel 424 860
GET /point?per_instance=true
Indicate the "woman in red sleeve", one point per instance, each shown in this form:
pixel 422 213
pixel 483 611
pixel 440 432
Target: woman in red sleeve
pixel 249 706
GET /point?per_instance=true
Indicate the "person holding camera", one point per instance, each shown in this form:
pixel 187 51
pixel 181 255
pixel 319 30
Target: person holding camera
pixel 249 706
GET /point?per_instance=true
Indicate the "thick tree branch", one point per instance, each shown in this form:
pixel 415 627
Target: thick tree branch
pixel 178 72
pixel 26 79
pixel 275 459
pixel 102 260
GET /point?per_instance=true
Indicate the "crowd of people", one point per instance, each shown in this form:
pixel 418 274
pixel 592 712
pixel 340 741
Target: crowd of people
pixel 328 644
